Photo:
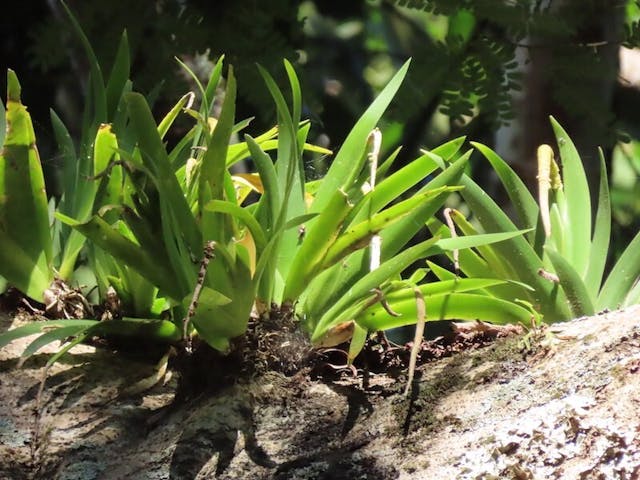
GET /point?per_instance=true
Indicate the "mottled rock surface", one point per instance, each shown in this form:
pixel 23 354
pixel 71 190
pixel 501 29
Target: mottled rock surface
pixel 565 406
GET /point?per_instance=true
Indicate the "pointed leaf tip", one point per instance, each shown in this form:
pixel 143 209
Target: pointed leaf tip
pixel 13 87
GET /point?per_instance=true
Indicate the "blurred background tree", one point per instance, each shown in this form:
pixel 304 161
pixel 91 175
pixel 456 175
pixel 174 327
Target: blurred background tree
pixel 492 70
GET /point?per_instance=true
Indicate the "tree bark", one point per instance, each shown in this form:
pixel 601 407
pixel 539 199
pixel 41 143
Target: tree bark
pixel 581 99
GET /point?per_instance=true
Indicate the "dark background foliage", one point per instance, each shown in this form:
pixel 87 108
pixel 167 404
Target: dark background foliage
pixel 490 70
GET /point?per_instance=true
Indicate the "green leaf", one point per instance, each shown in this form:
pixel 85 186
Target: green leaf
pixel 575 289
pixel 98 93
pixel 329 287
pixel 494 262
pixel 454 285
pixel 217 320
pixel 441 273
pixel 70 165
pixel 633 296
pixel 576 190
pixel 474 265
pixel 208 93
pixel 143 328
pixel 266 141
pixel 295 221
pixel 447 150
pixel 243 215
pixel 560 235
pixel 24 215
pixel 358 236
pixel 212 85
pixel 214 166
pixel 3 123
pixel 319 237
pixel 396 237
pixel 452 306
pixel 136 293
pixel 355 143
pixel 622 278
pixel 288 164
pixel 214 159
pixel 358 340
pixel 170 117
pixel 41 326
pixel 295 91
pixel 290 172
pixel 267 213
pixel 105 150
pixel 116 85
pixel 522 259
pixel 157 162
pixel 272 195
pixel 105 153
pixel 365 283
pixel 392 187
pixel 68 346
pixel 179 255
pixel 601 235
pixel 521 200
pixel 472 241
pixel 59 334
pixel 60 330
pixel 148 265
